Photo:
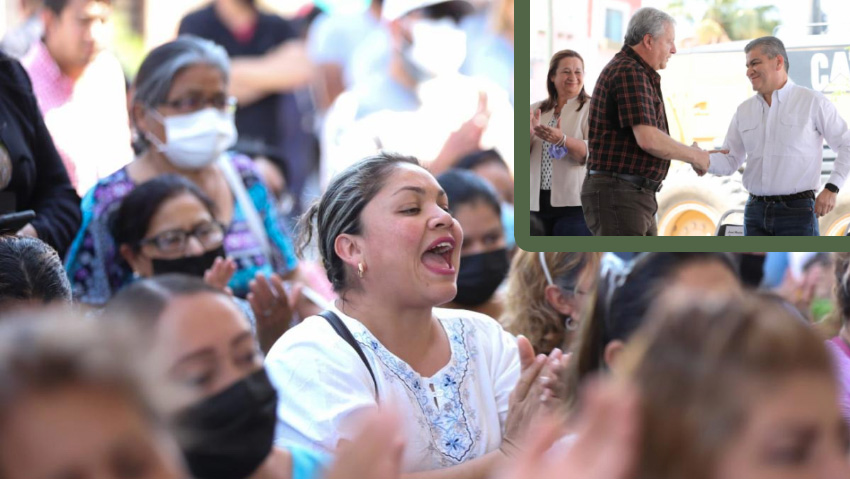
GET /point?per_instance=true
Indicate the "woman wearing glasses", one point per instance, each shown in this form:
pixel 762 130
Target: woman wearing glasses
pixel 168 225
pixel 184 122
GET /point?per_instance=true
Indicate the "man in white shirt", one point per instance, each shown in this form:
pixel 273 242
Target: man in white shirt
pixel 779 133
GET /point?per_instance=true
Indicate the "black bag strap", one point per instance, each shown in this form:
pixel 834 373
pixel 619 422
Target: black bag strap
pixel 343 332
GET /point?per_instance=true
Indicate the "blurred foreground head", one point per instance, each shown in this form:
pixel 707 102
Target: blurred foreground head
pixel 625 297
pixel 72 403
pixel 735 388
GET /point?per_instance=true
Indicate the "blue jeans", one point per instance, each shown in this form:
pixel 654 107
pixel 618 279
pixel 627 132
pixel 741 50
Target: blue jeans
pixel 560 220
pixel 780 218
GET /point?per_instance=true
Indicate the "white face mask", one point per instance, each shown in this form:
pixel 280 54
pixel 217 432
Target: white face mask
pixel 196 140
pixel 438 47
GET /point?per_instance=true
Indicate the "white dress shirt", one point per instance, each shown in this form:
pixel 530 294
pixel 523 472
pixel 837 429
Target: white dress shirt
pixel 783 143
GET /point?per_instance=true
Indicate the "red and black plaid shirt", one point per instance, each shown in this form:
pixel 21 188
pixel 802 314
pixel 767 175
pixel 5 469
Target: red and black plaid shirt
pixel 627 93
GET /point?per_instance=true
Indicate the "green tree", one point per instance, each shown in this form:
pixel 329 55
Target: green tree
pixel 727 19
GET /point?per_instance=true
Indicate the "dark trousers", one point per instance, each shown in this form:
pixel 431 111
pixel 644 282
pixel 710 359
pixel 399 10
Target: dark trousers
pixel 780 218
pixel 560 220
pixel 615 207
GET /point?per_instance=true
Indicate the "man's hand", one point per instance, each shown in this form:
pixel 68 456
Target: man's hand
pixel 825 202
pixel 701 161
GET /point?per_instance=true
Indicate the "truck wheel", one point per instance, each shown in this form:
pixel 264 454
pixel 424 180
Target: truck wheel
pixel 835 223
pixel 691 206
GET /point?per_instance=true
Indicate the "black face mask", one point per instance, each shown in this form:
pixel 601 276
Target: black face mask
pixel 228 436
pixel 480 275
pixel 191 265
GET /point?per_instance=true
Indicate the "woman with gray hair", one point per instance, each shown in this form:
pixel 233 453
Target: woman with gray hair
pixel 183 119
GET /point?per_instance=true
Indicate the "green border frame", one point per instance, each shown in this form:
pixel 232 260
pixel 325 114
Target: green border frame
pixel 615 243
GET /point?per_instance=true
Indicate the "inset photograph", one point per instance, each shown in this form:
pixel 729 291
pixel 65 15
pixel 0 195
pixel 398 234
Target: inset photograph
pixel 689 118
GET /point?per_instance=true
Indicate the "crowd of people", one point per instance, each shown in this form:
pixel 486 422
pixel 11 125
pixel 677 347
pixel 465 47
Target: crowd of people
pixel 598 365
pixel 284 99
pixel 176 323
pixel 599 159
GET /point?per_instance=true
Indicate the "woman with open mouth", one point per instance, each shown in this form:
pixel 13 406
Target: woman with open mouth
pixel 464 387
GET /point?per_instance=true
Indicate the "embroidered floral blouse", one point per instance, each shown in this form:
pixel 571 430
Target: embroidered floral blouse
pixel 455 415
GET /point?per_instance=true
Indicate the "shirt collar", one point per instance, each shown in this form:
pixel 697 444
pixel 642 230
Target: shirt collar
pixel 783 92
pixel 631 53
pixel 47 65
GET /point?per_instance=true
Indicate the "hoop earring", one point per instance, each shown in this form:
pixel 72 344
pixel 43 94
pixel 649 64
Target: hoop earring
pixel 570 323
pixel 360 270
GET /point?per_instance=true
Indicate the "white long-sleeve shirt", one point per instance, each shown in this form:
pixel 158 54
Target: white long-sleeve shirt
pixel 783 143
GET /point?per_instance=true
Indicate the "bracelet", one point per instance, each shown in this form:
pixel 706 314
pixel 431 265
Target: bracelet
pixel 564 141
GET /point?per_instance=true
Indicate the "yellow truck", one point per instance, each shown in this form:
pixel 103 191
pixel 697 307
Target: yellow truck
pixel 703 87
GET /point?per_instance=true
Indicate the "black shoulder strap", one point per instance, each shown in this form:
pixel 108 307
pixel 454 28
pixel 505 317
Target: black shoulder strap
pixel 343 332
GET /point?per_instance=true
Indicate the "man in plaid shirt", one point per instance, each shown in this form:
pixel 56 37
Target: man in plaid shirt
pixel 630 146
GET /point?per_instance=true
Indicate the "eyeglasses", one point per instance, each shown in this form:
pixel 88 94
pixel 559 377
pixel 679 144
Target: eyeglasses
pixel 195 103
pixel 173 242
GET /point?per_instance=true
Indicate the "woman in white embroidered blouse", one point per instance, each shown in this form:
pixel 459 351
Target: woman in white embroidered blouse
pixel 391 250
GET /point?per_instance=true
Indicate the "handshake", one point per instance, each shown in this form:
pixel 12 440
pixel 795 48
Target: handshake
pixel 701 161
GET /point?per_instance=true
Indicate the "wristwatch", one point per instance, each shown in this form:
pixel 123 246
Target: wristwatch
pixel 831 187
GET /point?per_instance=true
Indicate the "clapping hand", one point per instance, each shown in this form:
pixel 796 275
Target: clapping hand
pixel 550 134
pixel 220 273
pixel 271 308
pixel 535 121
pixel 376 452
pixel 541 389
pixel 606 446
pixel 553 379
pixel 465 139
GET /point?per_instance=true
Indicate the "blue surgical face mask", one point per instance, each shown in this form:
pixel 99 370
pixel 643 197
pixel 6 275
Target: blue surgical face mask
pixel 508 224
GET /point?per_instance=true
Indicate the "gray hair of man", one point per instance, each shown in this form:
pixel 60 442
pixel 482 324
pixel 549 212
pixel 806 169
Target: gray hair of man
pixel 770 46
pixel 163 63
pixel 647 20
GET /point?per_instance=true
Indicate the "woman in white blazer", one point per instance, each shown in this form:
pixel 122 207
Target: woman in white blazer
pixel 559 148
